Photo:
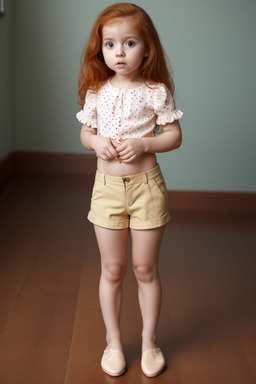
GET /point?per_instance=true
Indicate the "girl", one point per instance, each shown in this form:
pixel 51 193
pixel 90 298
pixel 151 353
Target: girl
pixel 125 90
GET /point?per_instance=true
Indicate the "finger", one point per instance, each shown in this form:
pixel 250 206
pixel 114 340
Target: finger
pixel 125 156
pixel 114 143
pixel 123 151
pixel 129 160
pixel 121 147
pixel 103 156
pixel 111 153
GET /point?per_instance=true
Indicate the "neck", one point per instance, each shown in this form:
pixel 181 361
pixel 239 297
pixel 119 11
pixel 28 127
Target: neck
pixel 124 81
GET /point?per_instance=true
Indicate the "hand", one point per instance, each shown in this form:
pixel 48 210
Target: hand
pixel 129 149
pixel 104 148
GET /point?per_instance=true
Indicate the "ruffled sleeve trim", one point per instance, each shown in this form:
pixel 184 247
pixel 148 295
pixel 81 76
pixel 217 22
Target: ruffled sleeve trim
pixel 88 115
pixel 169 117
pixel 164 106
pixel 85 118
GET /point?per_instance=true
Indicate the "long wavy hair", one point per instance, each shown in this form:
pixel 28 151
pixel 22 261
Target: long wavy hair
pixel 93 70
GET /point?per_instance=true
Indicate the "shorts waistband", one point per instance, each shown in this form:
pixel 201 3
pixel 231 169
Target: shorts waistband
pixel 131 179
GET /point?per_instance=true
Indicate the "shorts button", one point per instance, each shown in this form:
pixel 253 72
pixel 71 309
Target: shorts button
pixel 127 179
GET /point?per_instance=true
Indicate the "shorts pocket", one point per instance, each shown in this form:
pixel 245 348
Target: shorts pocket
pixel 160 185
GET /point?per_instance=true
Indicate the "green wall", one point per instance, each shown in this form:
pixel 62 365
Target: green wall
pixel 6 80
pixel 211 45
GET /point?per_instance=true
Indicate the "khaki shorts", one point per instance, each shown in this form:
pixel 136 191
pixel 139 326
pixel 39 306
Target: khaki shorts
pixel 136 201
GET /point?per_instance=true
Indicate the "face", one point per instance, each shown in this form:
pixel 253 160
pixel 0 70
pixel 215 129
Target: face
pixel 122 47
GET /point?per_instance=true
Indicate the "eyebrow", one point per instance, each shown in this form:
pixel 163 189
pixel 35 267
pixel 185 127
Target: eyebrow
pixel 126 38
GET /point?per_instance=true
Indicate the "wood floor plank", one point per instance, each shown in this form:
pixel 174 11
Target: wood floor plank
pixel 236 255
pixel 19 236
pixel 204 326
pixel 89 333
pixel 88 338
pixel 52 327
pixel 35 344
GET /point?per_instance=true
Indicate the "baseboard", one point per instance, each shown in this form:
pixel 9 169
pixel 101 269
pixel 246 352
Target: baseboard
pixel 62 163
pixel 85 164
pixel 201 201
pixel 7 169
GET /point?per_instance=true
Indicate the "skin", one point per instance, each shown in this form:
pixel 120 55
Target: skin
pixel 123 51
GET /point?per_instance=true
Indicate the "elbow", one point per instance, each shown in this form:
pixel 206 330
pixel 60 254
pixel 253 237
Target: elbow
pixel 178 140
pixel 175 133
pixel 86 136
pixel 84 140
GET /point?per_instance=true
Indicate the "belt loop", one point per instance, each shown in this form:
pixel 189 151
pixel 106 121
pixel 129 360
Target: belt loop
pixel 145 178
pixel 104 179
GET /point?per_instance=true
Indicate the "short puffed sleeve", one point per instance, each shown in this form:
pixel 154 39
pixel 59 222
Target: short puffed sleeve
pixel 88 115
pixel 164 106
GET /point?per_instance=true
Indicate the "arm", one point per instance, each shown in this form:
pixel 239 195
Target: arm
pixel 86 136
pixel 101 145
pixel 169 140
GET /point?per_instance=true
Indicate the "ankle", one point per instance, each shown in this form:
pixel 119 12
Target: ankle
pixel 149 342
pixel 114 343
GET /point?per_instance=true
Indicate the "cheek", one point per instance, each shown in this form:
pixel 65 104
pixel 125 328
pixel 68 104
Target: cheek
pixel 138 56
pixel 105 55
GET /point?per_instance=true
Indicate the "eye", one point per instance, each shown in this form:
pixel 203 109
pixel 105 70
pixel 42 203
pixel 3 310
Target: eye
pixel 109 44
pixel 130 43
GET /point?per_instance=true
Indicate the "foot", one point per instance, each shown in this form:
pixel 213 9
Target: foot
pixel 113 362
pixel 152 362
pixel 147 345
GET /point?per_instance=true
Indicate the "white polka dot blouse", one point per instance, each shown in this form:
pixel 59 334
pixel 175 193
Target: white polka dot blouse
pixel 128 113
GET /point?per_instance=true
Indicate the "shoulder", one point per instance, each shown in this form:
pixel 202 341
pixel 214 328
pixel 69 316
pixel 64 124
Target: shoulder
pixel 157 89
pixel 158 93
pixel 94 93
pixel 90 98
pixel 106 90
pixel 160 88
pixel 156 86
pixel 105 85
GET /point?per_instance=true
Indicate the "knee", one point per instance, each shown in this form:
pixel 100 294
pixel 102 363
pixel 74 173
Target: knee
pixel 114 273
pixel 145 273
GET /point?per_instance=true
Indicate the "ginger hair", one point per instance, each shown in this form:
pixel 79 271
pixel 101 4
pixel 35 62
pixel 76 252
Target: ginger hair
pixel 93 70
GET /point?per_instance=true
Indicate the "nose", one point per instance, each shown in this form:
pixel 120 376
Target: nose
pixel 119 51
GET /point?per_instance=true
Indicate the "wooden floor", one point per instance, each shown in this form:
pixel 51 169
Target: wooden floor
pixel 50 320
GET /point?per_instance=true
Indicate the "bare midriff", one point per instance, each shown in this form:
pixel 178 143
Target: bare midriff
pixel 114 167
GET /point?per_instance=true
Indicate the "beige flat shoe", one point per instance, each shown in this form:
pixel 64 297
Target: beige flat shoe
pixel 113 362
pixel 152 362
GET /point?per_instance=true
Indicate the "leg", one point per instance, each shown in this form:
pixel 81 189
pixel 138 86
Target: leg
pixel 113 249
pixel 145 249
